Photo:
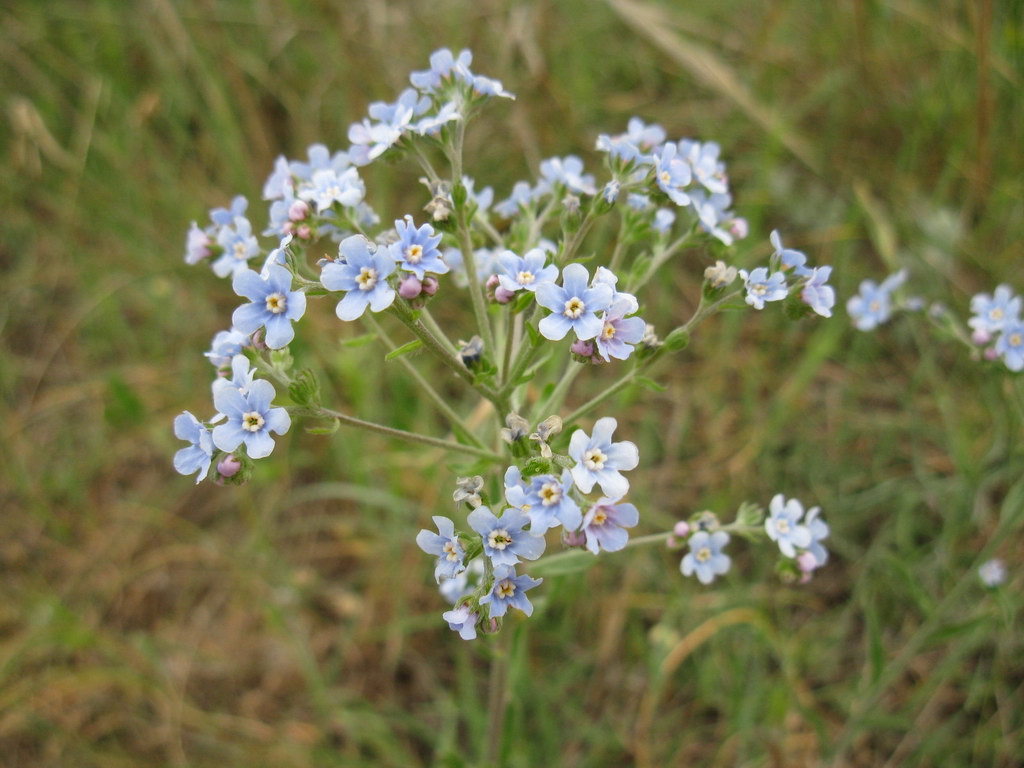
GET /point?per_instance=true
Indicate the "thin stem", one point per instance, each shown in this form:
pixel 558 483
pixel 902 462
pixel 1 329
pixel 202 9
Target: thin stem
pixel 497 700
pixel 511 327
pixel 431 324
pixel 412 437
pixel 620 245
pixel 424 385
pixel 595 401
pixel 660 257
pixel 640 541
pixel 557 397
pixel 538 222
pixel 425 163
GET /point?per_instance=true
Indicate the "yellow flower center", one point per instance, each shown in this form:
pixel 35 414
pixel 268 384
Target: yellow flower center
pixel 996 314
pixel 414 254
pixel 594 459
pixel 252 421
pixel 525 277
pixel 609 331
pixel 703 554
pixel 277 303
pixel 600 517
pixel 874 306
pixel 1016 339
pixel 499 539
pixel 241 252
pixel 782 526
pixel 665 177
pixel 451 551
pixel 505 588
pixel 759 290
pixel 574 307
pixel 550 493
pixel 367 278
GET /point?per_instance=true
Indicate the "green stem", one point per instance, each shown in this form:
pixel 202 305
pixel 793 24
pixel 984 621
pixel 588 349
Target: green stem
pixel 557 397
pixel 512 324
pixel 431 324
pixel 497 700
pixel 424 385
pixel 412 437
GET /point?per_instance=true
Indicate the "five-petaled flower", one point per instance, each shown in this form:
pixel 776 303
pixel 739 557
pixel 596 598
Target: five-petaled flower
pixel 600 461
pixel 363 274
pixel 526 272
pixel 605 525
pixel 250 419
pixel 573 305
pixel 416 249
pixel 273 304
pixel 706 558
pixel 783 525
pixel 509 590
pixel 546 499
pixel 196 457
pixel 504 538
pixel 761 287
pixel 873 305
pixel 445 546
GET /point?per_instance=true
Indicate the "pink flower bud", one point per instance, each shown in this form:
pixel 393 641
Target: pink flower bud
pixel 582 348
pixel 298 210
pixel 410 287
pixel 288 227
pixel 304 232
pixel 739 228
pixel 671 542
pixel 681 529
pixel 228 466
pixel 502 296
pixel 991 354
pixel 430 285
pixel 806 562
pixel 981 337
pixel 574 539
pixel 492 282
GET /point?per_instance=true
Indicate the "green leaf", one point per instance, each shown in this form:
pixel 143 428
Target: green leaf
pixel 650 384
pixel 329 428
pixel 405 349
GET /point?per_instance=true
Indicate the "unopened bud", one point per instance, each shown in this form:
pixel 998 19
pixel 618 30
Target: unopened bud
pixel 582 351
pixel 430 285
pixel 503 296
pixel 681 529
pixel 298 210
pixel 574 539
pixel 410 287
pixel 806 562
pixel 304 232
pixel 981 337
pixel 229 466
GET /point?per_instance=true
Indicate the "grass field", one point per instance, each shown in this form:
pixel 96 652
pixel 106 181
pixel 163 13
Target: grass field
pixel 293 621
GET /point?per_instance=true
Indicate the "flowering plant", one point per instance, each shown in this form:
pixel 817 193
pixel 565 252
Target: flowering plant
pixel 545 310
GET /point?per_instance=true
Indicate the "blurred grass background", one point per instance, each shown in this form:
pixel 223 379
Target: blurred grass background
pixel 292 622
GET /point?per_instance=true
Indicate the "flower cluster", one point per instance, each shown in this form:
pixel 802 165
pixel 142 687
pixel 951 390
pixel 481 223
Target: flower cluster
pixel 538 311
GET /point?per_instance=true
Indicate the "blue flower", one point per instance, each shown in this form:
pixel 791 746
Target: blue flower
pixel 817 294
pixel 250 419
pixel 462 620
pixel 416 249
pixel 599 460
pixel 197 244
pixel 320 159
pixel 274 305
pixel 363 274
pixel 873 305
pixel 327 188
pixel 242 376
pixel 482 199
pixel 636 144
pixel 522 195
pixel 239 246
pixel 790 258
pixel 443 66
pixel 432 124
pixel 279 183
pixel 619 333
pixel 225 217
pixel 525 272
pixel 573 305
pixel 446 547
pixel 488 86
pixel 703 160
pixel 672 174
pixel 992 573
pixel 664 218
pixel 504 539
pixel 545 499
pixel 605 524
pixel 463 583
pixel 714 216
pixel 762 288
pixel 196 457
pixel 992 313
pixel 225 345
pixel 646 136
pixel 568 172
pixel 509 590
pixel 385 126
pixel 1010 345
pixel 783 525
pixel 819 532
pixel 705 557
pixel 638 202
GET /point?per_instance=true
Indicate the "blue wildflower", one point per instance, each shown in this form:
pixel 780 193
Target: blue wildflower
pixel 279 183
pixel 619 333
pixel 567 172
pixel 250 419
pixel 672 174
pixel 819 532
pixel 791 259
pixel 225 345
pixel 546 500
pixel 198 244
pixel 273 304
pixel 992 313
pixel 1010 345
pixel 600 461
pixel 664 218
pixel 573 305
pixel 714 216
pixel 445 545
pixel 432 124
pixel 443 67
pixel 992 573
pixel 463 620
pixel 873 305
pixel 504 539
pixel 817 294
pixel 783 525
pixel 509 590
pixel 196 457
pixel 242 376
pixel 385 126
pixel 416 249
pixel 703 160
pixel 363 274
pixel 762 288
pixel 525 272
pixel 463 583
pixel 488 86
pixel 238 244
pixel 481 200
pixel 225 217
pixel 327 188
pixel 605 524
pixel 522 195
pixel 320 159
pixel 706 557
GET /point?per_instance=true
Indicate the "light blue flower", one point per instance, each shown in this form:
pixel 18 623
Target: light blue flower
pixel 817 294
pixel 225 345
pixel 568 172
pixel 320 159
pixel 610 192
pixel 444 545
pixel 225 217
pixel 992 573
pixel 819 532
pixel 198 244
pixel 242 376
pixel 636 144
pixel 1010 345
pixel 327 188
pixel 464 583
pixel 279 183
pixel 664 218
pixel 363 274
pixel 482 199
pixel 783 525
pixel 416 249
pixel 545 499
pixel 522 195
pixel 488 86
pixel 509 590
pixel 573 305
pixel 992 313
pixel 462 620
pixel 197 456
pixel 873 305
pixel 443 67
pixel 525 272
pixel 431 125
pixel 600 461
pixel 605 524
pixel 385 126
pixel 707 169
pixel 605 276
pixel 618 332
pixel 239 246
pixel 762 288
pixel 250 419
pixel 672 174
pixel 706 558
pixel 714 215
pixel 486 264
pixel 504 539
pixel 273 304
pixel 638 202
pixel 646 136
pixel 791 259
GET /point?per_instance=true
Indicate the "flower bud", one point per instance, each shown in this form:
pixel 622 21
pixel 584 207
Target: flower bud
pixel 304 232
pixel 298 210
pixel 430 285
pixel 991 354
pixel 503 296
pixel 259 339
pixel 806 562
pixel 582 351
pixel 681 529
pixel 574 539
pixel 981 337
pixel 410 287
pixel 229 466
pixel 738 227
